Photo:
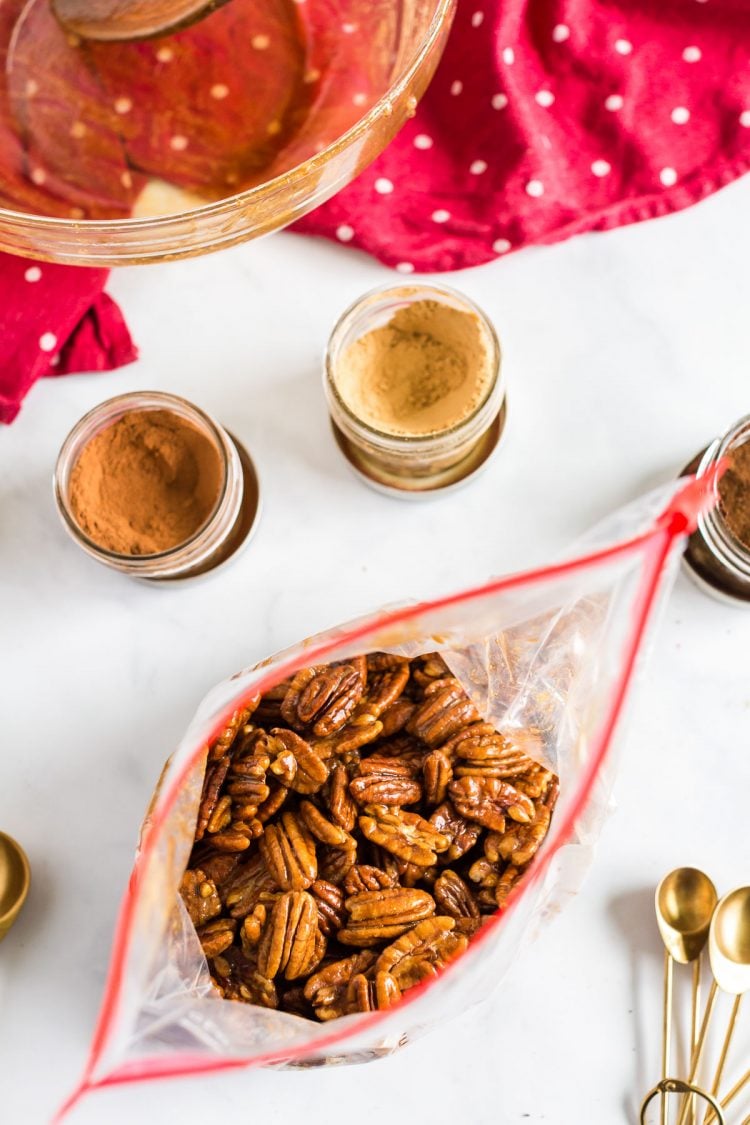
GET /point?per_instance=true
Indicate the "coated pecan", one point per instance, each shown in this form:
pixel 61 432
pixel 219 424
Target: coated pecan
pixel 445 710
pixel 289 852
pixel 295 687
pixel 462 833
pixel 240 979
pixel 216 936
pixel 487 799
pixel 406 835
pixel 310 773
pixel 236 837
pixel 383 689
pixel 219 866
pixel 212 783
pixel 406 749
pixel 395 717
pixel 276 798
pixel 326 700
pixel 365 995
pixel 485 872
pixel 454 898
pixel 537 782
pixel 522 841
pixel 342 805
pixel 505 885
pixel 335 863
pixel 326 990
pixel 485 752
pixel 380 915
pixel 364 877
pixel 226 737
pixel 438 772
pixel 288 943
pixel 252 928
pixel 247 886
pixel 330 903
pixel 427 668
pixel 385 781
pixel 246 781
pixel 360 730
pixel 322 828
pixel 421 952
pixel 200 896
pixel 221 816
pixel 269 708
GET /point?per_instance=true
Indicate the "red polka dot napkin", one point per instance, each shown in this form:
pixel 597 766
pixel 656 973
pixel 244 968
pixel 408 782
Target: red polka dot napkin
pixel 54 320
pixel 551 117
pixel 545 118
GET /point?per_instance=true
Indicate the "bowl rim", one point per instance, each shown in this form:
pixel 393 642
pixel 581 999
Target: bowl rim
pixel 383 106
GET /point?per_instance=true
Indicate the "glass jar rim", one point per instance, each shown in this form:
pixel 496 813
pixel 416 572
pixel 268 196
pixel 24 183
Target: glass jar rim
pixel 84 430
pixel 713 526
pixel 421 291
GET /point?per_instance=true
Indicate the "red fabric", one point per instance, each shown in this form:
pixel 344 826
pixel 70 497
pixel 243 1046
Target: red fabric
pixel 54 320
pixel 545 118
pixel 551 117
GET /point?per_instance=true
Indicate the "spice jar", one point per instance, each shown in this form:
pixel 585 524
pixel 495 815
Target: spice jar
pixel 414 389
pixel 717 556
pixel 150 485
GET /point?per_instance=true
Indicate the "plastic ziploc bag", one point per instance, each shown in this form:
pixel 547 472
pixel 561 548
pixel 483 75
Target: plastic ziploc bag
pixel 554 649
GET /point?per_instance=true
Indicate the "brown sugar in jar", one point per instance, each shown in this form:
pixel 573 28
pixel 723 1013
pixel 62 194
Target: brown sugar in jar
pixel 150 485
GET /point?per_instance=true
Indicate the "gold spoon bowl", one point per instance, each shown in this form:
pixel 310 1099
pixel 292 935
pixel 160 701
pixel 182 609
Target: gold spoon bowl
pixel 15 877
pixel 685 902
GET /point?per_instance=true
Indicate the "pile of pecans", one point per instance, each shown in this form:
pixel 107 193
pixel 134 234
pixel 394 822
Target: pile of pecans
pixel 356 823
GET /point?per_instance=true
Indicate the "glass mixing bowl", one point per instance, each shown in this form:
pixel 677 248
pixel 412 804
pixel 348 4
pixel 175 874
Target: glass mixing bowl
pixel 378 60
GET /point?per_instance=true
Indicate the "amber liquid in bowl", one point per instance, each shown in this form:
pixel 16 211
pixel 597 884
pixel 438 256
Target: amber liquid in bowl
pixel 213 114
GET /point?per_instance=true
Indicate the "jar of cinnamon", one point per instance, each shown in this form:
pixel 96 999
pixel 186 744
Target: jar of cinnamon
pixel 150 485
pixel 718 553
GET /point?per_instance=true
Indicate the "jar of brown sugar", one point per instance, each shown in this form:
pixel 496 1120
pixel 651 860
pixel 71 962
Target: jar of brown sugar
pixel 148 484
pixel 414 388
pixel 718 553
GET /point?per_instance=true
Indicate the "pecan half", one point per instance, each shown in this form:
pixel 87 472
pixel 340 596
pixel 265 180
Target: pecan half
pixel 395 717
pixel 330 903
pixel 226 737
pixel 289 852
pixel 455 899
pixel 310 773
pixel 326 990
pixel 422 952
pixel 240 979
pixel 505 885
pixel 252 928
pixel 200 897
pixel 216 936
pixel 438 772
pixel 250 883
pixel 383 689
pixel 444 711
pixel 342 805
pixel 430 667
pixel 364 877
pixel 380 915
pixel 385 781
pixel 360 730
pixel 365 995
pixel 406 835
pixel 322 828
pixel 335 863
pixel 212 783
pixel 246 781
pixel 522 841
pixel 487 799
pixel 536 782
pixel 327 699
pixel 288 944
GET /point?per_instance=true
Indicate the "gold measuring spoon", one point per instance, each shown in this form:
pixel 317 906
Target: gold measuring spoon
pixel 685 901
pixel 15 877
pixel 116 20
pixel 729 953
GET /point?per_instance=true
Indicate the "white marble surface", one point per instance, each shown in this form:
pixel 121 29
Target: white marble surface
pixel 625 353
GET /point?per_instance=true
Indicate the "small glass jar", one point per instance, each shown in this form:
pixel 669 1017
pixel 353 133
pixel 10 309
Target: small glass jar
pixel 715 558
pixel 413 465
pixel 228 526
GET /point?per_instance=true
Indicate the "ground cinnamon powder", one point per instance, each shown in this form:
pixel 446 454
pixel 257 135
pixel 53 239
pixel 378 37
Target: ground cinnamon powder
pixel 146 483
pixel 734 493
pixel 423 372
